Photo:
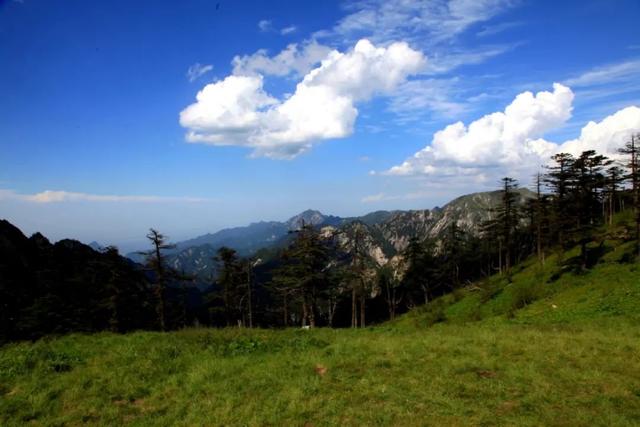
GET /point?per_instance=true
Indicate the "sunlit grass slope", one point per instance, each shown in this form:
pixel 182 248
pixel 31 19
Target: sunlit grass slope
pixel 550 347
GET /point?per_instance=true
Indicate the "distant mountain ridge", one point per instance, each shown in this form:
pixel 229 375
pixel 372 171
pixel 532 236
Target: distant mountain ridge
pixel 246 240
pixel 387 232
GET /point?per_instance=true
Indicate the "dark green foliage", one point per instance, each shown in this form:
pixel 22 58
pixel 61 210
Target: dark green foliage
pixel 632 151
pixel 232 296
pixel 57 288
pixel 301 278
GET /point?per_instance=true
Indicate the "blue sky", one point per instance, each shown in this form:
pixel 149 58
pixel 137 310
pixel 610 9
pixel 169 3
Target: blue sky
pixel 98 102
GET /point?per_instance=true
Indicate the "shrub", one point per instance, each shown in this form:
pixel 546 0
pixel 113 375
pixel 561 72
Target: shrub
pixel 523 295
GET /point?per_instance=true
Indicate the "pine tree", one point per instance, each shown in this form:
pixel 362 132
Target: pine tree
pixel 452 255
pixel 157 263
pixel 391 289
pixel 303 272
pixel 589 181
pixel 359 267
pixel 418 279
pixel 540 218
pixel 502 227
pixel 614 179
pixel 229 281
pixel 560 179
pixel 632 150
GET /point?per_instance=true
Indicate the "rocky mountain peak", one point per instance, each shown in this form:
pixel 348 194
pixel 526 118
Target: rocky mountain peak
pixel 309 217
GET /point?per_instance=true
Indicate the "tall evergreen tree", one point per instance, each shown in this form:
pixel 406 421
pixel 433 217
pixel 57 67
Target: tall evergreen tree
pixel 391 289
pixel 359 266
pixel 540 218
pixel 163 273
pixel 303 272
pixel 632 151
pixel 452 256
pixel 503 225
pixel 419 277
pixel 560 179
pixel 229 282
pixel 588 181
pixel 614 178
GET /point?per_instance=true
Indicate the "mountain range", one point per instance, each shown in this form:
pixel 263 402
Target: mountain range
pixel 386 233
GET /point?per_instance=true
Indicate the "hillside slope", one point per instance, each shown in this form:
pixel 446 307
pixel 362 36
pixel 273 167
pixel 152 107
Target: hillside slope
pixel 542 349
pixel 555 291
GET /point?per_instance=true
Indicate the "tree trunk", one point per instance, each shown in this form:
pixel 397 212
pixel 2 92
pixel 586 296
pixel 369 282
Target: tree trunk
pixel 390 300
pixel 305 313
pixel 250 304
pixel 425 291
pixel 393 304
pixel 362 308
pixel 500 256
pixel 332 310
pixel 285 311
pixel 160 307
pixel 354 319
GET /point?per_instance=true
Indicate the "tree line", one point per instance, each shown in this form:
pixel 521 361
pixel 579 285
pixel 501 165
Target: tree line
pixel 315 281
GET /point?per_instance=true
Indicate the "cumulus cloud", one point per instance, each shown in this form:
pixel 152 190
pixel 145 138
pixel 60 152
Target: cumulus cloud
pixel 227 112
pixel 500 138
pixel 510 142
pixel 237 110
pixel 606 136
pixel 294 59
pixel 198 70
pixel 50 196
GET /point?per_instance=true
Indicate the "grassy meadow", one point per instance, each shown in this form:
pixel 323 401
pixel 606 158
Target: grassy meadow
pixel 551 347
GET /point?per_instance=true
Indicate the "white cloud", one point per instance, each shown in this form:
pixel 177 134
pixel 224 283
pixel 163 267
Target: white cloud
pixel 415 98
pixel 606 136
pixel 496 139
pixel 296 59
pixel 612 73
pixel 451 59
pixel 237 111
pixel 498 28
pixel 265 25
pixel 197 70
pixel 430 25
pixel 510 142
pixel 374 198
pixel 288 30
pixel 227 112
pixel 413 195
pixel 432 21
pixel 50 196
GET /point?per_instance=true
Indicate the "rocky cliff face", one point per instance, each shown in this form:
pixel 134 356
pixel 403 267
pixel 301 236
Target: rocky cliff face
pixel 347 236
pixel 468 212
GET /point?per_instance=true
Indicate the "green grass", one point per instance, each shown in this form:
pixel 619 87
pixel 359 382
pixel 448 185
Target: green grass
pixel 543 349
pixel 484 374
